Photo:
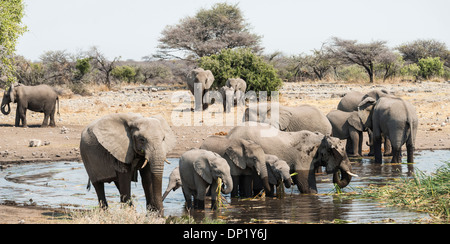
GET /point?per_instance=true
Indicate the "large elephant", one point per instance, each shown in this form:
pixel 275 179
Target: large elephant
pixel 115 146
pixel 40 98
pixel 350 126
pixel 239 86
pixel 174 182
pixel 199 170
pixel 199 82
pixel 396 119
pixel 303 151
pixel 245 158
pixel 278 171
pixel 303 117
pixel 352 99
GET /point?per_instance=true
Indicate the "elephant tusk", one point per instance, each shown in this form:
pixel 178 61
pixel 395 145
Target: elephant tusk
pixel 145 163
pixel 350 173
pixel 165 160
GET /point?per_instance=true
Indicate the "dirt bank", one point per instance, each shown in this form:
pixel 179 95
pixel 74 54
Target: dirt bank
pixel 431 100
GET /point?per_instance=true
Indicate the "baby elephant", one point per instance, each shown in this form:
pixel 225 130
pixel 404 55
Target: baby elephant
pixel 200 169
pixel 278 171
pixel 174 182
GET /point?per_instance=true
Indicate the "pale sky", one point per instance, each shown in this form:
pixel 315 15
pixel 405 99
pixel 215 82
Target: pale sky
pixel 131 28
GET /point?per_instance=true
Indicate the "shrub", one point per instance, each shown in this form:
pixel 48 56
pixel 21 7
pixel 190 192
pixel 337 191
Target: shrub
pixel 233 63
pixel 124 73
pixel 429 67
pixel 410 70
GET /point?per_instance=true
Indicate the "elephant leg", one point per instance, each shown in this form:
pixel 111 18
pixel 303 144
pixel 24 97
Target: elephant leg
pixel 100 190
pixel 387 146
pixel 188 198
pixel 246 187
pixel 396 155
pixel 410 150
pixel 45 121
pixel 305 181
pixel 376 136
pixel 354 138
pixel 235 191
pixel 52 119
pixel 18 116
pixel 123 184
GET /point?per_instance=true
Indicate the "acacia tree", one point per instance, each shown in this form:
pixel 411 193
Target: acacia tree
pixel 11 27
pixel 208 32
pixel 102 64
pixel 363 54
pixel 419 49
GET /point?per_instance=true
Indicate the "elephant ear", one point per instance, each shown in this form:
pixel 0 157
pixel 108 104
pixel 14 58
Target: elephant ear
pixel 355 121
pixel 364 109
pixel 170 140
pixel 203 169
pixel 209 80
pixel 235 152
pixel 283 120
pixel 114 134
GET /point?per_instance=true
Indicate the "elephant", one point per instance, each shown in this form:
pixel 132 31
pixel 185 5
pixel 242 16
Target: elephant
pixel 278 171
pixel 227 98
pixel 303 117
pixel 350 103
pixel 351 100
pixel 199 170
pixel 115 146
pixel 396 119
pixel 174 182
pixel 245 158
pixel 350 126
pixel 199 81
pixel 40 98
pixel 239 86
pixel 303 151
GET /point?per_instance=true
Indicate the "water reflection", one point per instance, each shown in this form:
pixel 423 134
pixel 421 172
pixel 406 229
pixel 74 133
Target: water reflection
pixel 63 184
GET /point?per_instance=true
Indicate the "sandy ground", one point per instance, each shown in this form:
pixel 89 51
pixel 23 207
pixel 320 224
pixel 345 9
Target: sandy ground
pixel 431 100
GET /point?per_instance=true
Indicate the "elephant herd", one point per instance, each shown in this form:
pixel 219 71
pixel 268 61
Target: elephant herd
pixel 271 147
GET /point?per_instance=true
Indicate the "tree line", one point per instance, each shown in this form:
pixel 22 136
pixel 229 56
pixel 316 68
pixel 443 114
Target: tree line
pixel 220 39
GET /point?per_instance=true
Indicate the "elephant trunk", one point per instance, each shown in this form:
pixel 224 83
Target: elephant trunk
pixel 154 201
pixel 228 182
pixel 4 111
pixel 345 174
pixel 261 168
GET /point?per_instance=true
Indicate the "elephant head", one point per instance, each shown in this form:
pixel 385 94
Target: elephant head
pixel 133 139
pixel 227 97
pixel 333 156
pixel 211 167
pixel 362 120
pixel 174 182
pixel 9 96
pixel 248 154
pixel 278 171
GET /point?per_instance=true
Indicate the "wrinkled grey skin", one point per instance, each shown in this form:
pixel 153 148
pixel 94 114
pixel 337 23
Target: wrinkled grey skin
pixel 174 182
pixel 303 151
pixel 397 120
pixel 239 86
pixel 303 117
pixel 245 159
pixel 40 98
pixel 227 98
pixel 204 79
pixel 199 170
pixel 278 171
pixel 115 146
pixel 352 99
pixel 350 125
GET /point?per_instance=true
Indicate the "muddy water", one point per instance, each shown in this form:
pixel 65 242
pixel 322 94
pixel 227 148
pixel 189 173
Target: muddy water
pixel 63 184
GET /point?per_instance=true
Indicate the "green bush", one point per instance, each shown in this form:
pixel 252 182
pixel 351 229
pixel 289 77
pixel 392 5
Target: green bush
pixel 429 67
pixel 82 67
pixel 410 71
pixel 124 73
pixel 243 63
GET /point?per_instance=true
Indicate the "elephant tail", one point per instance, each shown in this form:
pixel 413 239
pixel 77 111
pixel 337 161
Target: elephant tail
pixel 57 99
pixel 88 187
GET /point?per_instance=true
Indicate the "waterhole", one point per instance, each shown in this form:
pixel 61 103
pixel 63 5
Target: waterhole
pixel 63 185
